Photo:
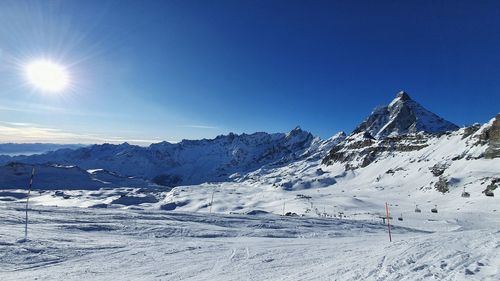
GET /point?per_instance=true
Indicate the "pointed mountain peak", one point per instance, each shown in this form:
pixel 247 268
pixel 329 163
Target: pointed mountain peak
pixel 403 116
pixel 340 134
pixel 403 96
pixel 297 131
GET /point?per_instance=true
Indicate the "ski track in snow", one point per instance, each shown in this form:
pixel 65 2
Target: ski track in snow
pixel 95 244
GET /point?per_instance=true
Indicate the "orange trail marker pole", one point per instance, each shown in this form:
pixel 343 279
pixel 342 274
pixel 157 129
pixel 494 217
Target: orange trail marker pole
pixel 388 223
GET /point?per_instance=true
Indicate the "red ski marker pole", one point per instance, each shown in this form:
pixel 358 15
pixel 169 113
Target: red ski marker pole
pixel 388 223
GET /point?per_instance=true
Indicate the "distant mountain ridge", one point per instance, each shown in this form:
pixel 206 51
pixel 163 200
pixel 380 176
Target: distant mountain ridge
pixel 295 160
pixel 189 161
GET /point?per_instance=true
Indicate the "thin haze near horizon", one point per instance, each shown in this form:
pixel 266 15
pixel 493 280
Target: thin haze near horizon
pixel 147 71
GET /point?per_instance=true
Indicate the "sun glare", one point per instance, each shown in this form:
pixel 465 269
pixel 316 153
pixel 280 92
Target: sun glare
pixel 47 76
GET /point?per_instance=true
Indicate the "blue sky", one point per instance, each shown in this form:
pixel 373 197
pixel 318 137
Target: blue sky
pixel 146 71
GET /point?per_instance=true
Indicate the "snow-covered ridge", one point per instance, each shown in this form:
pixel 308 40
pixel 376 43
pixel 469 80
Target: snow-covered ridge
pixel 290 161
pixel 190 161
pixel 52 176
pixel 360 149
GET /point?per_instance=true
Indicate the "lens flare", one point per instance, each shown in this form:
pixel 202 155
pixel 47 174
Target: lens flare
pixel 47 76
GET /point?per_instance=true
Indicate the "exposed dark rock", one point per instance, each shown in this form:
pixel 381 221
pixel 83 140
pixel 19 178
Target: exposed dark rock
pixel 302 196
pixel 468 272
pixel 470 130
pixel 492 186
pixel 319 171
pixel 442 185
pixel 438 169
pixel 403 96
pixel 129 200
pixel 173 205
pixel 493 135
pixel 257 213
pixel 167 180
pixel 365 151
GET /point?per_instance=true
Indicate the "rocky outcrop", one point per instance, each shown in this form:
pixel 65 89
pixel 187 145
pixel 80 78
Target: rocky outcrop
pixel 358 151
pixel 442 185
pixel 492 135
pixel 438 169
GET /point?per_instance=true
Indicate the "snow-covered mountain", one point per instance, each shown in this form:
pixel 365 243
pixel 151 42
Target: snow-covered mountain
pixel 404 138
pixel 191 161
pixel 440 185
pixel 403 116
pixel 428 146
pixel 52 176
pixel 410 128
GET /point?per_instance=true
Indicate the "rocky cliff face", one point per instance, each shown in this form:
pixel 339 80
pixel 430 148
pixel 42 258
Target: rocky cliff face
pixel 493 138
pixel 359 150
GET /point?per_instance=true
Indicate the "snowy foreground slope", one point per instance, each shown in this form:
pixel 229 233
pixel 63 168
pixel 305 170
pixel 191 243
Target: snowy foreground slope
pixel 99 244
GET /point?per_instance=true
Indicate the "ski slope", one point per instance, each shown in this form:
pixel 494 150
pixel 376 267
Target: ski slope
pixel 125 244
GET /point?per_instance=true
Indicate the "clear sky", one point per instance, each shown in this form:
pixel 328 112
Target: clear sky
pixel 147 71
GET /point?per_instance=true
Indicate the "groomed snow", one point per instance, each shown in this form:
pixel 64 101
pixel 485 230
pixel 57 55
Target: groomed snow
pixel 119 244
pixel 144 234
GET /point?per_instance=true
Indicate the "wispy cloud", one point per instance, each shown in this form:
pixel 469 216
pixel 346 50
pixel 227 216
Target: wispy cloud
pixel 29 133
pixel 38 109
pixel 18 124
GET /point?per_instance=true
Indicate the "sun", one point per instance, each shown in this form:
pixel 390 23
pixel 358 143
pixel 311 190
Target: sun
pixel 47 76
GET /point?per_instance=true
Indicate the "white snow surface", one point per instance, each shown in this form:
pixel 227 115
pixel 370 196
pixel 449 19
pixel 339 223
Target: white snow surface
pixel 126 244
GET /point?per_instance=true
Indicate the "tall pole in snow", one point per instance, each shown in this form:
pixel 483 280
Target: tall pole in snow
pixel 212 201
pixel 388 223
pixel 27 202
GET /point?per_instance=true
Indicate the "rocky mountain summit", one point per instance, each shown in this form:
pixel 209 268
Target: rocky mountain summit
pixel 402 126
pixel 403 116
